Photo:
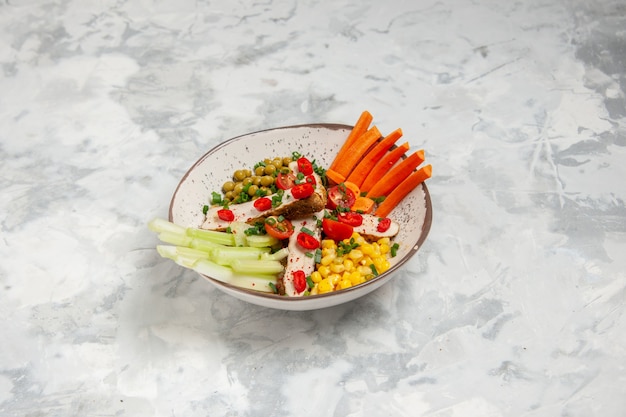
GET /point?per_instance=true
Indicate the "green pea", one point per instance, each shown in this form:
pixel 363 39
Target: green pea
pixel 267 180
pixel 270 169
pixel 252 190
pixel 277 162
pixel 239 175
pixel 228 186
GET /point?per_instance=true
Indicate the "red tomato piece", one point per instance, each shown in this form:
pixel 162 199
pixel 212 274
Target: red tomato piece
pixel 262 204
pixel 226 215
pixel 301 191
pixel 383 224
pixel 350 217
pixel 305 166
pixel 280 229
pixel 311 180
pixel 299 281
pixel 285 181
pixel 336 230
pixel 307 241
pixel 340 196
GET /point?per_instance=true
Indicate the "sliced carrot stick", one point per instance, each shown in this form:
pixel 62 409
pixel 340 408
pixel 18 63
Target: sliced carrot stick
pixel 358 174
pixel 363 205
pixel 396 175
pixel 405 187
pixel 352 187
pixel 360 127
pixel 359 148
pixel 334 177
pixel 383 166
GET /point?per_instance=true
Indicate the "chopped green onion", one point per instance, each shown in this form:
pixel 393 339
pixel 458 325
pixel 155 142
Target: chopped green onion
pixel 307 231
pixel 309 282
pixel 318 256
pixel 374 271
pixel 205 209
pixel 394 250
pixel 216 198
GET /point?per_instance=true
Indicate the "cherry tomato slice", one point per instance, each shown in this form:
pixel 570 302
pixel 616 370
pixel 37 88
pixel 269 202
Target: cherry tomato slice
pixel 336 230
pixel 226 215
pixel 299 281
pixel 383 224
pixel 301 191
pixel 277 228
pixel 340 196
pixel 350 217
pixel 307 241
pixel 285 181
pixel 305 166
pixel 262 204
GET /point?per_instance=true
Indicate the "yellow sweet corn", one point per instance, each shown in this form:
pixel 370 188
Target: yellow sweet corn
pixel 336 272
pixel 324 286
pixel 316 276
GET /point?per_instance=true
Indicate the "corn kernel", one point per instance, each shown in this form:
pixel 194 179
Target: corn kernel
pixel 378 264
pixel 384 241
pixel 344 283
pixel 385 248
pixel 337 268
pixel 328 251
pixel 355 278
pixel 327 260
pixel 355 254
pixel 358 238
pixel 348 264
pixel 324 286
pixel 324 271
pixel 364 270
pixel 328 243
pixel 316 276
pixel 367 249
pixel 386 265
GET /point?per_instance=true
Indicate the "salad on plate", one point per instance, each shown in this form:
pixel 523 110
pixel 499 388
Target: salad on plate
pixel 292 227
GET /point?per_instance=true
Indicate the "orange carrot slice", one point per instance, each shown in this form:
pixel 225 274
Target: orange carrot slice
pixel 334 177
pixel 363 205
pixel 359 148
pixel 383 166
pixel 360 127
pixel 405 187
pixel 358 174
pixel 397 174
pixel 352 187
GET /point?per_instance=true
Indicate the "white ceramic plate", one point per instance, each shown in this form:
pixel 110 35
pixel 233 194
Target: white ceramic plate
pixel 315 141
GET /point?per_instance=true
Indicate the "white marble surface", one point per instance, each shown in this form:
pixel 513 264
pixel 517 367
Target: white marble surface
pixel 514 307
